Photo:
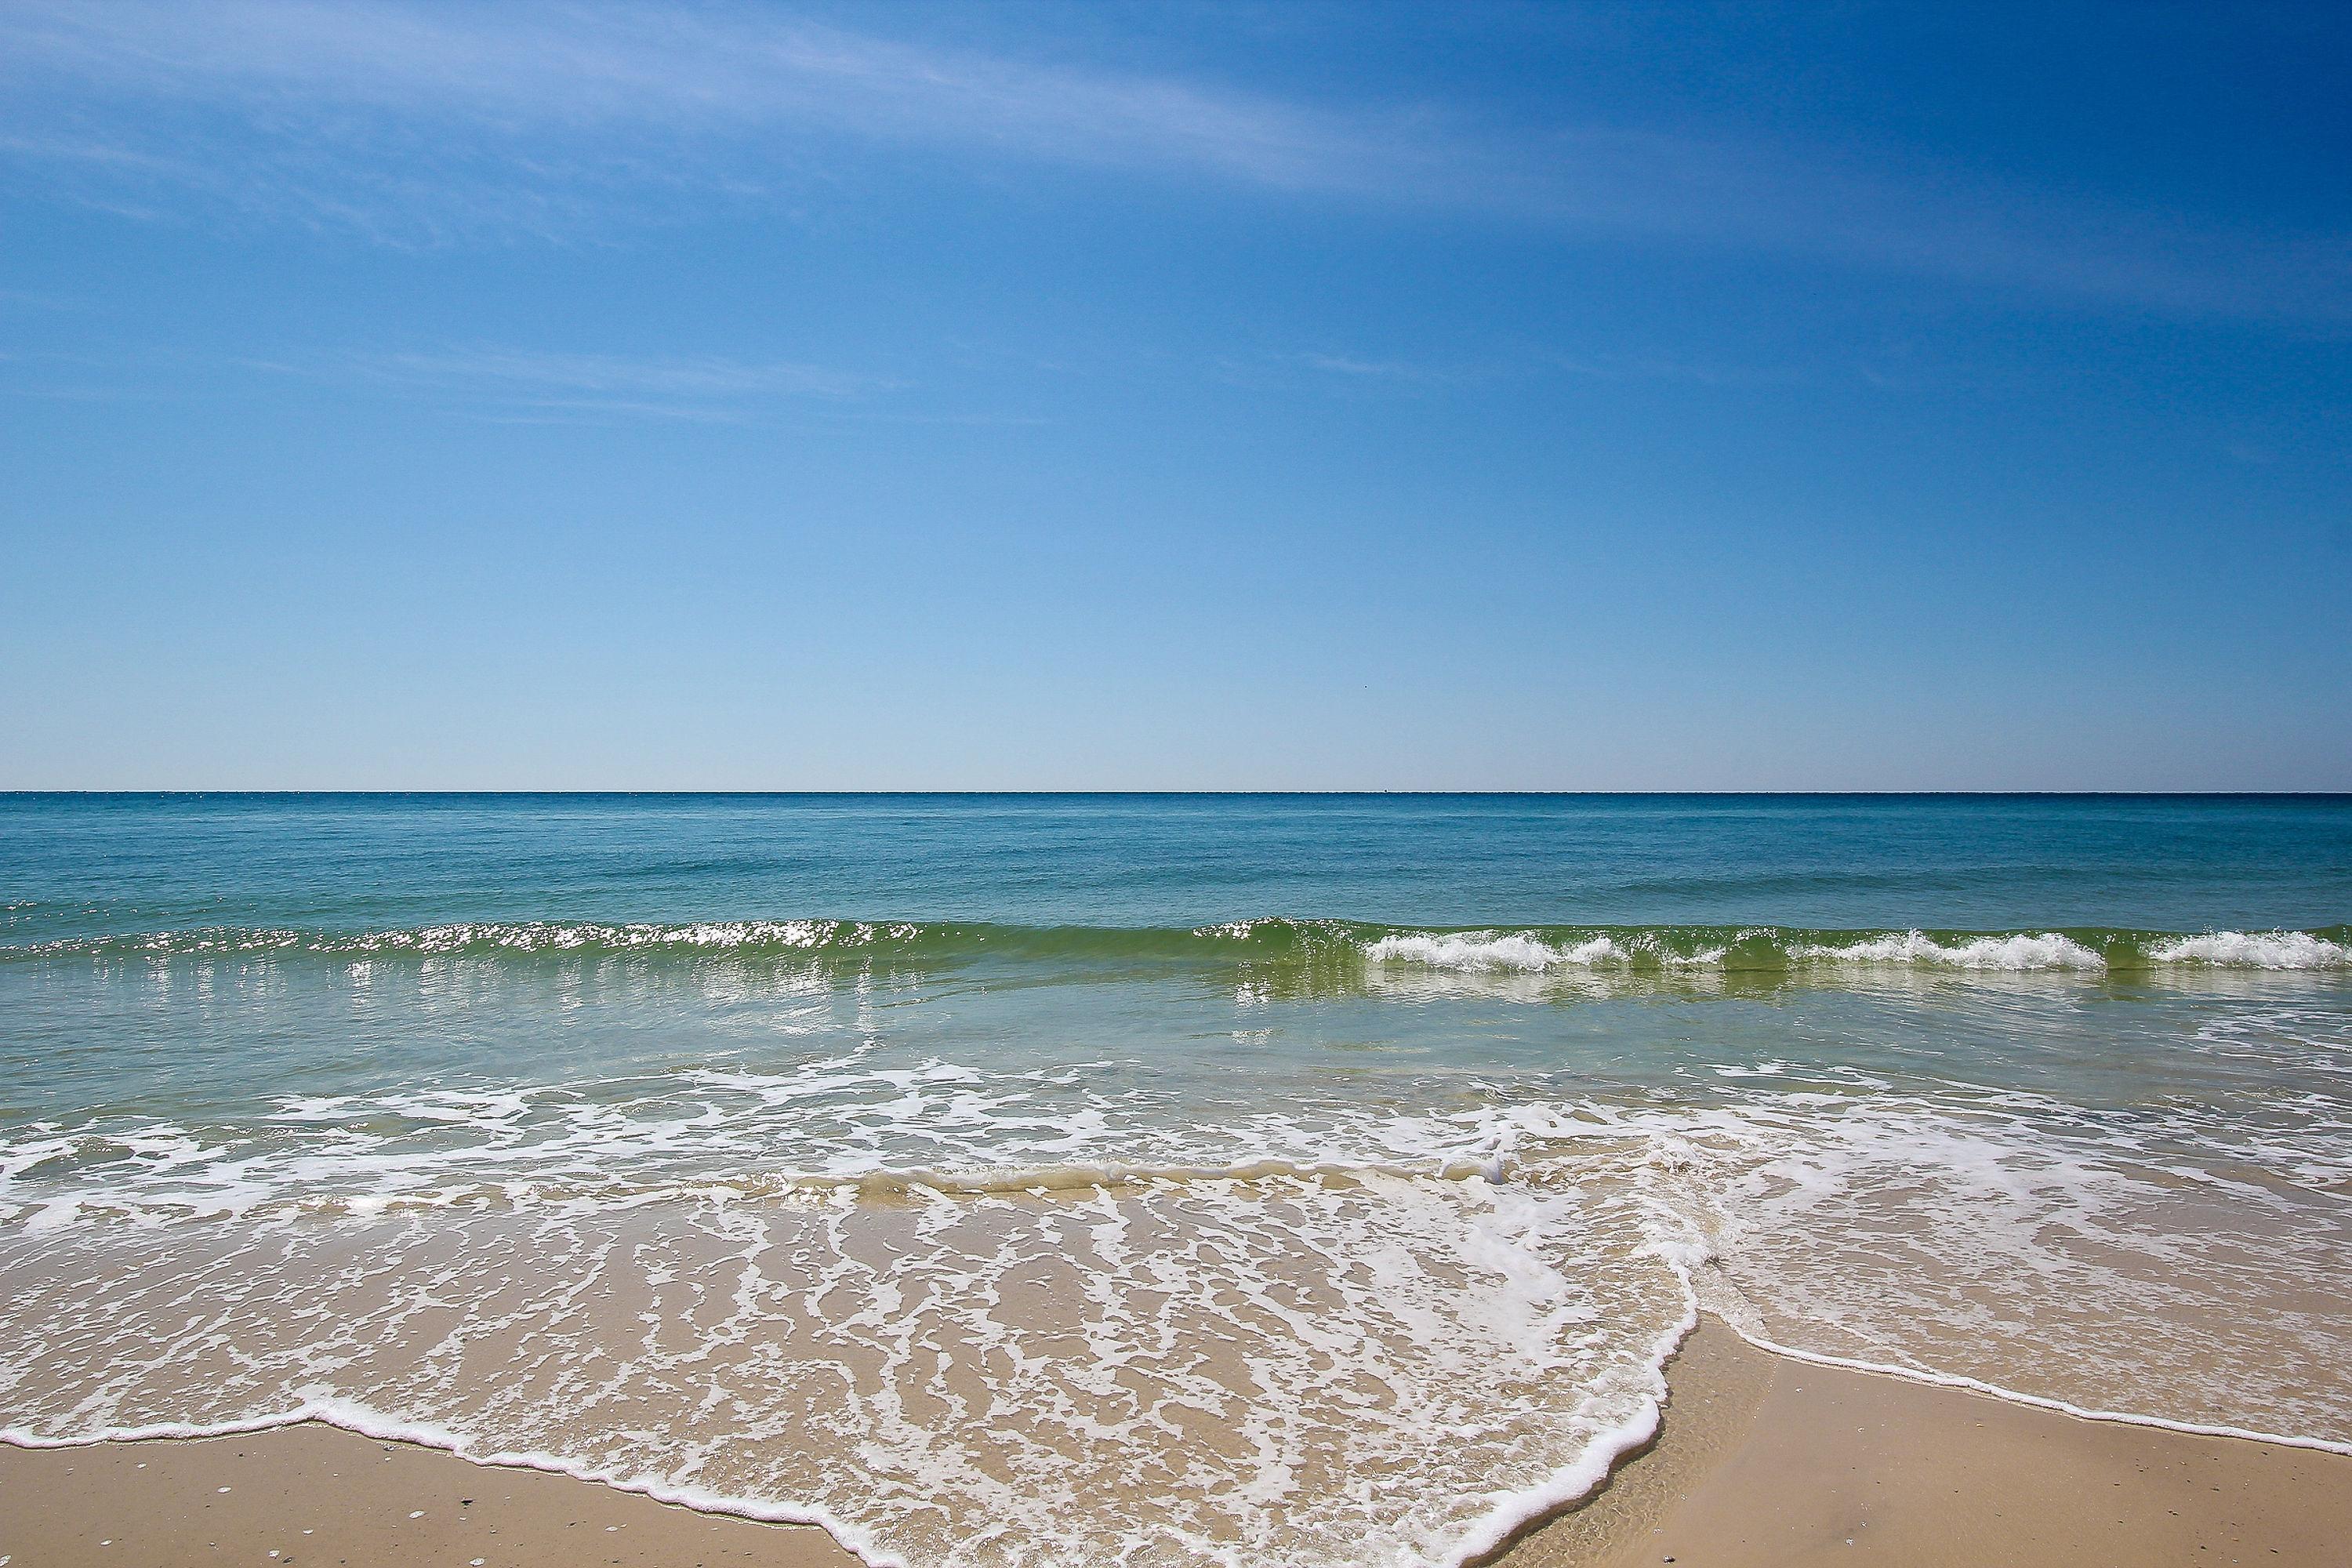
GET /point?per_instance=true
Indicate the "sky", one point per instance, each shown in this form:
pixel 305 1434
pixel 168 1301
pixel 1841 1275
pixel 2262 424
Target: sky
pixel 1292 396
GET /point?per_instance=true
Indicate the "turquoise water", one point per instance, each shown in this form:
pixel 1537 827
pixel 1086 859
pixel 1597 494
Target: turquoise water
pixel 1334 1169
pixel 92 865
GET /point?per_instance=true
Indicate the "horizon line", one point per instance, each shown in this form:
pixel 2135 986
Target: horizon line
pixel 1145 793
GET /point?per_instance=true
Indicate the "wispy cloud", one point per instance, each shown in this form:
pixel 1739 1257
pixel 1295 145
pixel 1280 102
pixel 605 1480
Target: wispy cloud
pixel 1359 368
pixel 1353 373
pixel 419 125
pixel 489 382
pixel 28 300
pixel 393 117
pixel 695 377
pixel 701 70
pixel 510 382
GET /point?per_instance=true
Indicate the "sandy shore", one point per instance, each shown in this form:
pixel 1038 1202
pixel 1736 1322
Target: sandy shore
pixel 1760 1462
pixel 1763 1460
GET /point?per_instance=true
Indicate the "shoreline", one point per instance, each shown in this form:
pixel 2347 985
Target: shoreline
pixel 1767 1457
pixel 1759 1458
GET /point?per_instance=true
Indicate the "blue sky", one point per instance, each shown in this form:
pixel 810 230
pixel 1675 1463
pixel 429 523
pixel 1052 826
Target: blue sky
pixel 1287 396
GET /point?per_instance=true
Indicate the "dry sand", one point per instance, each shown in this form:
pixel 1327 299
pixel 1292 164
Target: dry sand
pixel 1760 1462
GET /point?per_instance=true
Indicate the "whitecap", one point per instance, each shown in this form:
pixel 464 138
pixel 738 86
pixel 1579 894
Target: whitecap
pixel 2253 950
pixel 1486 951
pixel 2049 949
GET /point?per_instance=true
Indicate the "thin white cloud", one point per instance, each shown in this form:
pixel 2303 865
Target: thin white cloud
pixel 511 383
pixel 517 72
pixel 1358 366
pixel 29 300
pixel 597 375
pixel 491 381
pixel 417 124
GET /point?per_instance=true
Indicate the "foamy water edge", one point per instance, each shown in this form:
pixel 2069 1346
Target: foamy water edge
pixel 1572 1484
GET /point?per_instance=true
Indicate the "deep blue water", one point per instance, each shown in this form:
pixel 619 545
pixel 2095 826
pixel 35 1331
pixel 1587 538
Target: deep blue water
pixel 73 866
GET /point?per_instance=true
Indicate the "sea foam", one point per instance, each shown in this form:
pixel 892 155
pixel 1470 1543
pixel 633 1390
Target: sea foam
pixel 2253 950
pixel 2018 953
pixel 1487 951
pixel 1380 1371
pixel 1239 1323
pixel 1527 952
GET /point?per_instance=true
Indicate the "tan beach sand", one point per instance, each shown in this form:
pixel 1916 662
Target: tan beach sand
pixel 1761 1461
pixel 318 1497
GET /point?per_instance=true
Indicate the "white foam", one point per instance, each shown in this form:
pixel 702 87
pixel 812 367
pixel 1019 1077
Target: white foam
pixel 1514 1510
pixel 2253 950
pixel 502 936
pixel 1383 1370
pixel 2085 1260
pixel 2021 953
pixel 1527 953
pixel 1478 951
pixel 2021 1246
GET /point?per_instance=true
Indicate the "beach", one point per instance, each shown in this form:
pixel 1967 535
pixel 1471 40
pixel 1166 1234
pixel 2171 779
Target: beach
pixel 1193 785
pixel 1759 1461
pixel 982 1182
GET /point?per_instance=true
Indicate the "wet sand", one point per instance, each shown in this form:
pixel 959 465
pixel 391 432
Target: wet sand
pixel 1761 1461
pixel 309 1495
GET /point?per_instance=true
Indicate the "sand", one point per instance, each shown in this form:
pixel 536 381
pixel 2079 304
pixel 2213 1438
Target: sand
pixel 299 1497
pixel 1764 1460
pixel 1761 1461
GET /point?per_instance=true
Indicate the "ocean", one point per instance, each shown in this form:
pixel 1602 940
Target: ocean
pixel 1222 1179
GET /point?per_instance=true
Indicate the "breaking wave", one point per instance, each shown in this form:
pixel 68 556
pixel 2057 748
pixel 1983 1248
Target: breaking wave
pixel 2255 949
pixel 1274 941
pixel 2017 953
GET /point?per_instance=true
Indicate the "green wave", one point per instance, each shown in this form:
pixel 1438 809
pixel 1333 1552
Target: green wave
pixel 1268 942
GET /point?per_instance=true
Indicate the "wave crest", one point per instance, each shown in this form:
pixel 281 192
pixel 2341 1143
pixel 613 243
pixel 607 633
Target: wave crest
pixel 1273 943
pixel 2253 950
pixel 1486 951
pixel 2018 953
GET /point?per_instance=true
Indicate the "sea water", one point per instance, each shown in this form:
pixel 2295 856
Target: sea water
pixel 1298 1180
